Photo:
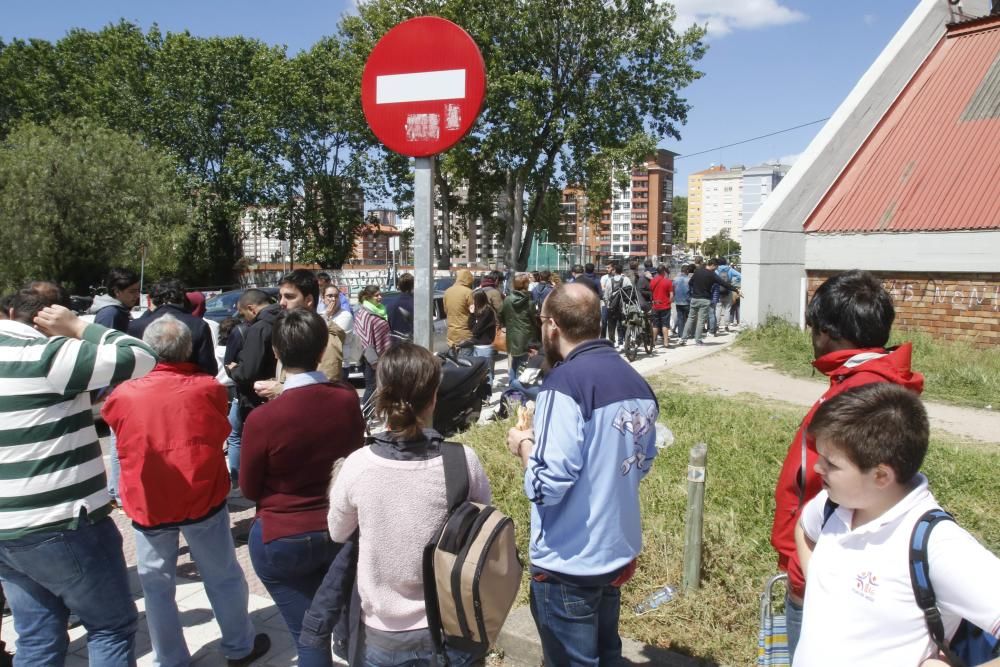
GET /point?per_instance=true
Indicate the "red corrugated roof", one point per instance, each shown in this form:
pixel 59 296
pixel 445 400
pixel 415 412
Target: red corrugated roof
pixel 933 162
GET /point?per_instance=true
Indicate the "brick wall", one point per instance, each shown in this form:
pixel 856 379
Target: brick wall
pixel 952 306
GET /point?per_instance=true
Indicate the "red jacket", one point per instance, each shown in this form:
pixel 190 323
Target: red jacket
pixel 846 369
pixel 170 426
pixel 663 292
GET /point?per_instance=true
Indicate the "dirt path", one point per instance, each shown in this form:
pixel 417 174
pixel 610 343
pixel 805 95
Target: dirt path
pixel 728 373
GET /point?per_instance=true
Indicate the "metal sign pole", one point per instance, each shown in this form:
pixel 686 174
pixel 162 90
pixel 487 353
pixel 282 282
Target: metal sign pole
pixel 423 252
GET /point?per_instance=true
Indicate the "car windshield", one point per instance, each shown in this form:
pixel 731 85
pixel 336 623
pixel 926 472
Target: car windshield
pixel 223 305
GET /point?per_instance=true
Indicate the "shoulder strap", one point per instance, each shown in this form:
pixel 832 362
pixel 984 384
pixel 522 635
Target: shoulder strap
pixel 456 474
pixel 828 509
pixel 921 581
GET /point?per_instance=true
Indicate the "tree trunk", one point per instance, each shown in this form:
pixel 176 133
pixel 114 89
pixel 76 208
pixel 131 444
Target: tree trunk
pixel 518 258
pixel 444 254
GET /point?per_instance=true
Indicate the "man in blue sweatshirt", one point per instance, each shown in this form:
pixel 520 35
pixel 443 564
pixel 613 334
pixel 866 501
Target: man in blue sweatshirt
pixel 592 442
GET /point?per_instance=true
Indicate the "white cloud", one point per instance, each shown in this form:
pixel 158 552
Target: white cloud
pixel 725 16
pixel 789 159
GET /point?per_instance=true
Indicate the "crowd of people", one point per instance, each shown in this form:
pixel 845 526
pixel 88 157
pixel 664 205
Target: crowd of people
pixel 342 519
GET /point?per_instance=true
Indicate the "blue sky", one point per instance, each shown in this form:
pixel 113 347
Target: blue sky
pixel 772 64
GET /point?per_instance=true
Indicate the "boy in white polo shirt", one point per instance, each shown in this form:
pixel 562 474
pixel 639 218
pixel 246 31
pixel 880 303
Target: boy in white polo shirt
pixel 859 607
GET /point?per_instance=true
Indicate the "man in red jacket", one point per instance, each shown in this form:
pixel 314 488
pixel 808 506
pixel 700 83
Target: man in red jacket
pixel 171 425
pixel 850 316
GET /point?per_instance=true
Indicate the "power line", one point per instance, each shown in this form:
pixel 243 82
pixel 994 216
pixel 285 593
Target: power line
pixel 746 141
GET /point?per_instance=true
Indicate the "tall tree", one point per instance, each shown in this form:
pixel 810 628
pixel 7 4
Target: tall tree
pixel 76 198
pixel 680 219
pixel 720 245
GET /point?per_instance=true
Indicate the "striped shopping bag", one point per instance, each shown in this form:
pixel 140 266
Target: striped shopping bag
pixel 772 643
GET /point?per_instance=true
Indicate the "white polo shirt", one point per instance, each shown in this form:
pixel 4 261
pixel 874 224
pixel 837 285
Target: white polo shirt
pixel 859 607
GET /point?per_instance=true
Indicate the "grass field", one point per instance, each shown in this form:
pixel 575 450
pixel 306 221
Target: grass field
pixel 747 442
pixel 954 372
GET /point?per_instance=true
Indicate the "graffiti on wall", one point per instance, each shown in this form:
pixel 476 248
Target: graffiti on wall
pixel 931 293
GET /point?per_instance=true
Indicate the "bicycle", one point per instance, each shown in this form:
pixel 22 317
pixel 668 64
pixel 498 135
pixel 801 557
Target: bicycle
pixel 638 332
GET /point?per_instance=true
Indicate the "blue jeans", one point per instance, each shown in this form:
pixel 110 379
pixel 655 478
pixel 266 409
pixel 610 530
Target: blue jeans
pixel 47 575
pixel 514 366
pixel 233 442
pixel 793 621
pixel 376 656
pixel 682 316
pixel 696 319
pixel 578 625
pixel 213 551
pixel 371 381
pixel 115 469
pixel 291 569
pixel 713 321
pixel 530 393
pixel 486 354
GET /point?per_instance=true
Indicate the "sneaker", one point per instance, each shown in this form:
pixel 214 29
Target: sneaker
pixel 683 342
pixel 699 342
pixel 261 645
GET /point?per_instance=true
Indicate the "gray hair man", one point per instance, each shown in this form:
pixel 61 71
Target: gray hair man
pixel 170 426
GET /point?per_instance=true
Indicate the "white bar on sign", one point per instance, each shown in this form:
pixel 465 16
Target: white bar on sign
pixel 446 84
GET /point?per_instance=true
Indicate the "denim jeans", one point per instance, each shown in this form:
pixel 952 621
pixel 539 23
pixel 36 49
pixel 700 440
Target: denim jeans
pixel 793 621
pixel 371 381
pixel 578 625
pixel 486 353
pixel 291 569
pixel 530 393
pixel 696 319
pixel 604 321
pixel 682 316
pixel 233 442
pixel 514 366
pixel 114 469
pixel 713 321
pixel 213 551
pixel 47 575
pixel 377 656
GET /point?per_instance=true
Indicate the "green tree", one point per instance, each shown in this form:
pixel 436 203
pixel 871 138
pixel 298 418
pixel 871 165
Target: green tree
pixel 720 245
pixel 680 219
pixel 76 198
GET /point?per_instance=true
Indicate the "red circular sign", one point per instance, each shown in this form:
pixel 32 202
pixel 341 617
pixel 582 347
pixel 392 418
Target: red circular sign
pixel 423 86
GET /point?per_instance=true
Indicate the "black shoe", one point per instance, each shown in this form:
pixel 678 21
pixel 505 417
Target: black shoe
pixel 261 645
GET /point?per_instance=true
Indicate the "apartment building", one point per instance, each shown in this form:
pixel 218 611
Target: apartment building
pixel 695 232
pixel 638 221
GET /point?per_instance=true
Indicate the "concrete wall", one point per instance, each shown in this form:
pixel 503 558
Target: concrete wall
pixel 773 275
pixel 951 306
pixel 933 252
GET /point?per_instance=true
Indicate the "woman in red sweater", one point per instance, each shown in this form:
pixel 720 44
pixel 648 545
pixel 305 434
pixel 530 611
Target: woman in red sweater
pixel 289 447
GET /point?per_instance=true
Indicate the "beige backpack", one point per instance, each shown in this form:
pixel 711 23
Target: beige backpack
pixel 472 571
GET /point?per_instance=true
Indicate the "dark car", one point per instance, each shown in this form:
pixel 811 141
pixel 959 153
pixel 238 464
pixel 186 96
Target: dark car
pixel 223 306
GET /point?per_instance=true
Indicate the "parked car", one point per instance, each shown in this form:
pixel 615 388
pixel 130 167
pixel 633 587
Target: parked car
pixel 223 305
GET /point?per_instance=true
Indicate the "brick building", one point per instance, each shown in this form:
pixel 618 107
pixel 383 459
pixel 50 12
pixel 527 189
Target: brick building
pixel 902 181
pixel 638 221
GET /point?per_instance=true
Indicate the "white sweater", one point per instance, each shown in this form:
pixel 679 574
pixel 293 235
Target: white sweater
pixel 400 506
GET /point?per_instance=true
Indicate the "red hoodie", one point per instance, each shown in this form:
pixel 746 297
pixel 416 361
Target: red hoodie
pixel 846 369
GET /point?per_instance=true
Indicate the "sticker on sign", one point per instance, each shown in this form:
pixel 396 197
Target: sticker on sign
pixel 420 87
pixel 423 86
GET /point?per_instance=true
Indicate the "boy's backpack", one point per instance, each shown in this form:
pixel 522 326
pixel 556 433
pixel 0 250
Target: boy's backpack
pixel 970 645
pixel 471 570
pixel 615 302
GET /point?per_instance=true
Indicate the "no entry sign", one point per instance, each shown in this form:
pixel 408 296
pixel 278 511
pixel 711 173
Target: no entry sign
pixel 423 86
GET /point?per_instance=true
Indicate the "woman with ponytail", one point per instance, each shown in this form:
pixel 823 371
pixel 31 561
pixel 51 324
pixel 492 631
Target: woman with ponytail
pixel 394 491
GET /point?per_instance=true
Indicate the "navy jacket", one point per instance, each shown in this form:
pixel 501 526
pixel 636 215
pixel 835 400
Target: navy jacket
pixel 202 347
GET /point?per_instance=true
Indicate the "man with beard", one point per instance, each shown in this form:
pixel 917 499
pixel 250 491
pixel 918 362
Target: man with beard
pixel 592 443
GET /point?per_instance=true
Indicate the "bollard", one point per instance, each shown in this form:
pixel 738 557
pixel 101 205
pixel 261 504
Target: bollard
pixel 695 516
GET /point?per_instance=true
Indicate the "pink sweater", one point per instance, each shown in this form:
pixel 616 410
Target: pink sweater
pixel 399 506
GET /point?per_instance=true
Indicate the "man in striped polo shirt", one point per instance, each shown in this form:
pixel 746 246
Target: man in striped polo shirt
pixel 60 552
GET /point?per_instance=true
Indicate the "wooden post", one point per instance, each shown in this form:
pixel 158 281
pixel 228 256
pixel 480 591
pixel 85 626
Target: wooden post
pixel 695 516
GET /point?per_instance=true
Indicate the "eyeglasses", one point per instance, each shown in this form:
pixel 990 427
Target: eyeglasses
pixel 543 318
